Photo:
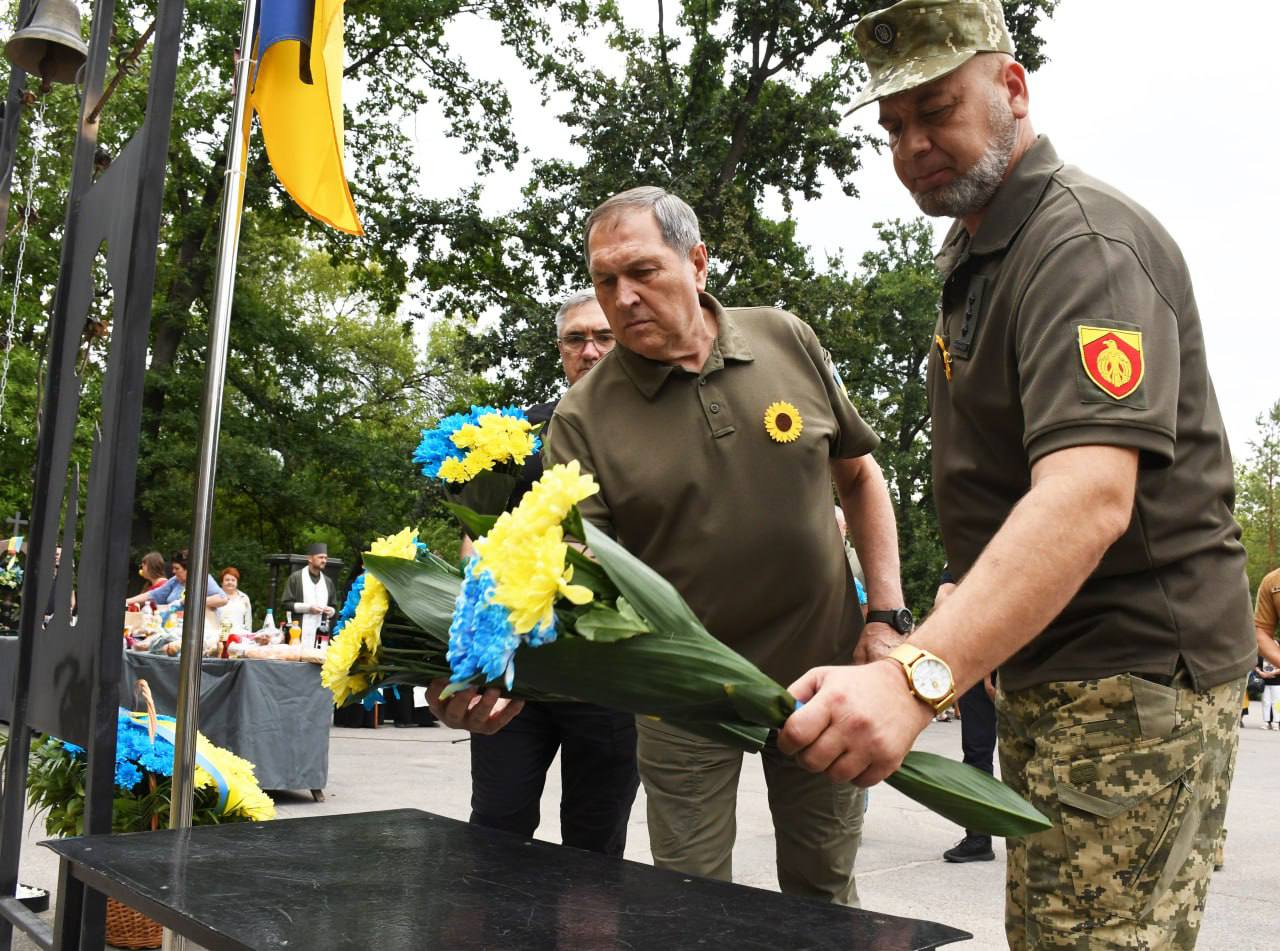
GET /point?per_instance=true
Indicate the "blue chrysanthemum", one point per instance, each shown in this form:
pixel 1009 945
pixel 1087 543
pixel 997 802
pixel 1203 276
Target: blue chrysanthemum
pixel 127 775
pixel 437 444
pixel 481 638
pixel 349 606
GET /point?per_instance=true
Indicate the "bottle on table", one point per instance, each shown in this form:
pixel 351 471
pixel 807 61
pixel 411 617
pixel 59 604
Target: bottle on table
pixel 322 633
pixel 269 623
pixel 295 630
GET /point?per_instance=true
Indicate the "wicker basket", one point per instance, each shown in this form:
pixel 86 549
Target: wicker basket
pixel 128 928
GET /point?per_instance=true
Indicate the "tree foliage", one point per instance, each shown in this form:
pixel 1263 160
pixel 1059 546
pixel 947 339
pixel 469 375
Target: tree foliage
pixel 1258 497
pixel 735 106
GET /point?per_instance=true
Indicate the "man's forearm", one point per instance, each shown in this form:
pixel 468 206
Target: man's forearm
pixel 1031 568
pixel 1267 645
pixel 868 510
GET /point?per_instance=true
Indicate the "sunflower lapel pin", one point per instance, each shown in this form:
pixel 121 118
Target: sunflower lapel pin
pixel 782 422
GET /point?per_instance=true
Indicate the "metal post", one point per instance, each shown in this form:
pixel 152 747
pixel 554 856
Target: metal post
pixel 188 710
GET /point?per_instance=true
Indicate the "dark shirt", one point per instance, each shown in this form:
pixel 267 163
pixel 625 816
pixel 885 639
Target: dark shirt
pixel 1070 321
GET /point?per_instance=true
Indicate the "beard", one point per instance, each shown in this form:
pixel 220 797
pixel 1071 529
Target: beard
pixel 973 190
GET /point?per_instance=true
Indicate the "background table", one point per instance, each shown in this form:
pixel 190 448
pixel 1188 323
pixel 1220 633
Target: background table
pixel 274 713
pixel 405 880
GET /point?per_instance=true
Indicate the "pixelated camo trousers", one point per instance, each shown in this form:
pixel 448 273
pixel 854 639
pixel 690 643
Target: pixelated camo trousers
pixel 1135 776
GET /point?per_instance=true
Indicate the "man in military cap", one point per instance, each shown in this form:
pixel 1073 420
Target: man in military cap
pixel 1084 489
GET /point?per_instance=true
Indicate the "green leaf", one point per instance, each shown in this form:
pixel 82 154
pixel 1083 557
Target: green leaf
pixel 968 797
pixel 603 624
pixel 473 523
pixel 749 739
pixel 573 525
pixel 649 593
pixel 487 493
pixel 589 574
pixel 424 591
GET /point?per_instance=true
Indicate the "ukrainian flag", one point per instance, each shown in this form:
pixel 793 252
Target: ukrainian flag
pixel 297 93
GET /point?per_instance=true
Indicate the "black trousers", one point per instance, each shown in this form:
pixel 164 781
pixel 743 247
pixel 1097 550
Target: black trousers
pixel 978 728
pixel 597 770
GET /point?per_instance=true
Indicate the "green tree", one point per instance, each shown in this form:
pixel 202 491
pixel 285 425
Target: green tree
pixel 734 106
pixel 881 345
pixel 1258 497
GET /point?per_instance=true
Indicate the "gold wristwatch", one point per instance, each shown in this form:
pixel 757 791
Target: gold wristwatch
pixel 928 676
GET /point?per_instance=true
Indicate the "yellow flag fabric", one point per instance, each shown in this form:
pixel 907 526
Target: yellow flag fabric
pixel 302 121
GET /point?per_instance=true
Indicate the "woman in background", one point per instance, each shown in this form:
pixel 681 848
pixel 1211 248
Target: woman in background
pixel 238 611
pixel 154 570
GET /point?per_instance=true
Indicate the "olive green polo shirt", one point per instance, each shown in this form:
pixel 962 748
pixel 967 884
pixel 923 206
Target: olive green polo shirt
pixel 691 483
pixel 1069 320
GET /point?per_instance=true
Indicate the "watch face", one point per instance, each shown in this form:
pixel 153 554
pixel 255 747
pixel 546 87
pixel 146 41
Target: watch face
pixel 931 678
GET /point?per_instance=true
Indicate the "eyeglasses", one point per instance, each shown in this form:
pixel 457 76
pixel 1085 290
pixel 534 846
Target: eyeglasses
pixel 603 339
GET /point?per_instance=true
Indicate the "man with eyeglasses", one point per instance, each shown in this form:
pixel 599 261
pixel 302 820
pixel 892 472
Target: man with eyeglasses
pixel 597 746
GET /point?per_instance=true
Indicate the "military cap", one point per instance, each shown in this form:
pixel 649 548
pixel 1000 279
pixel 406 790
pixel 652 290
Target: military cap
pixel 917 41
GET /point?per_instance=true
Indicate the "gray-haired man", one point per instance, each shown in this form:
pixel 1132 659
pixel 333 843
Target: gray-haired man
pixel 715 435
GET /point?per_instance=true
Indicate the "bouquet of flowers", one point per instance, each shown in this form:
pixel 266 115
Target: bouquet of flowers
pixel 10 571
pixel 477 455
pixel 226 790
pixel 535 614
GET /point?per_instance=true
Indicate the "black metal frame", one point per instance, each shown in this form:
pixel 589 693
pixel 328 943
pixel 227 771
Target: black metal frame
pixel 68 672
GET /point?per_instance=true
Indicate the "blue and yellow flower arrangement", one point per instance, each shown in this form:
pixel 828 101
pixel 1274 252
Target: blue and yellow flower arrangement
pixel 550 607
pixel 226 790
pixel 476 455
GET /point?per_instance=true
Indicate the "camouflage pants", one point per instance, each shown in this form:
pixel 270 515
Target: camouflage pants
pixel 1135 777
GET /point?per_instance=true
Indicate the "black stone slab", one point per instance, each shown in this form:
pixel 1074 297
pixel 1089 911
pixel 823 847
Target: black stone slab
pixel 405 880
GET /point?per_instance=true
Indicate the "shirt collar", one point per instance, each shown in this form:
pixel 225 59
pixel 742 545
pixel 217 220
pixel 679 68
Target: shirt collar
pixel 649 375
pixel 1009 210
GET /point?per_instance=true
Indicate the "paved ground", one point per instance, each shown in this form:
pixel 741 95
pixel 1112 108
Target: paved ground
pixel 900 869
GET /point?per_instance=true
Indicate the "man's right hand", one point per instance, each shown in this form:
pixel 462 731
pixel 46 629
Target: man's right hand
pixel 474 712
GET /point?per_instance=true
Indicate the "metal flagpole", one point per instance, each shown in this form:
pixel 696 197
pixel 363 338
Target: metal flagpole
pixel 188 710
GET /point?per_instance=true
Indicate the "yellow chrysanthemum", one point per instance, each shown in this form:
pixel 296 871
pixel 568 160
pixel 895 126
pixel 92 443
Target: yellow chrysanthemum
pixel 244 796
pixel 339 658
pixel 495 439
pixel 782 422
pixel 360 640
pixel 525 549
pixel 453 470
pixel 529 577
pixel 549 501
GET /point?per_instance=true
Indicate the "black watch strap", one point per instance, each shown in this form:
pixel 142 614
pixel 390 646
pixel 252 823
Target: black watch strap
pixel 900 619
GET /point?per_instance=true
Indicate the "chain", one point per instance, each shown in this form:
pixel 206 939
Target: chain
pixel 37 146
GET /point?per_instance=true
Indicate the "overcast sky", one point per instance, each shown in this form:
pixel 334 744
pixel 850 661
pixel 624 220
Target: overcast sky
pixel 1164 99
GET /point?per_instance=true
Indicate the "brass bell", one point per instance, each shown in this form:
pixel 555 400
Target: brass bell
pixel 49 45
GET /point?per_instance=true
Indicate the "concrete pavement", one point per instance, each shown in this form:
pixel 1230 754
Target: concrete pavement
pixel 900 868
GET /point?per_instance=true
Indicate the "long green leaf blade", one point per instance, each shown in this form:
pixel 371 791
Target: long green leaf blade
pixel 424 591
pixel 968 797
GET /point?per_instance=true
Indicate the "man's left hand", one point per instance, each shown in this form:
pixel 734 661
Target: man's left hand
pixel 858 723
pixel 877 640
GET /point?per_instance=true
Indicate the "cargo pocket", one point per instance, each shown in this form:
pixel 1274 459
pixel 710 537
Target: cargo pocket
pixel 1128 817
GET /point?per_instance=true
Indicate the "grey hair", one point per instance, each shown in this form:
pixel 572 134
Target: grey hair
pixel 573 303
pixel 676 220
